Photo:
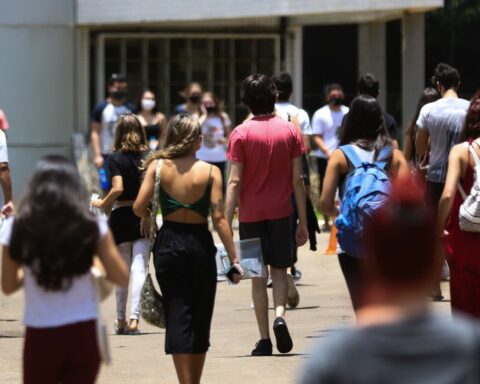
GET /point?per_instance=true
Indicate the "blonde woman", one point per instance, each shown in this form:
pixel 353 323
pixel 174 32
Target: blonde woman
pixel 129 149
pixel 184 252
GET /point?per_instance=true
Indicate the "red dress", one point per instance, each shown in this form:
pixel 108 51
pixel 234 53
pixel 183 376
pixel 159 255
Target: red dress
pixel 463 256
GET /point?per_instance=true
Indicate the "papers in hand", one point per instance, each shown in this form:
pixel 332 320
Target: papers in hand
pixel 249 253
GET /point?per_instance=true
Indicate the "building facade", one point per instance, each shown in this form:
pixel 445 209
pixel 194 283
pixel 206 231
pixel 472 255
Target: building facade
pixel 58 53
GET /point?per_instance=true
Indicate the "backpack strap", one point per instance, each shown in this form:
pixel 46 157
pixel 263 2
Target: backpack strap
pixel 351 155
pixel 383 157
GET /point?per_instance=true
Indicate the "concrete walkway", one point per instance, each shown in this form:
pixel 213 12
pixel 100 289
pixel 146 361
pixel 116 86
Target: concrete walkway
pixel 140 359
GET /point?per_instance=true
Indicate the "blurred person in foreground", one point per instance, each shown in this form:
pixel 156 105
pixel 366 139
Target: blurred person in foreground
pixel 398 339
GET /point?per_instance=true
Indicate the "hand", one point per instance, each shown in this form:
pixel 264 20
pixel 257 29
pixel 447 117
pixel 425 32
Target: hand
pixel 145 228
pixel 7 209
pixel 98 161
pixel 236 277
pixel 301 235
pixel 98 203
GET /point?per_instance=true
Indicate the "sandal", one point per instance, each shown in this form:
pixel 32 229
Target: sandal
pixel 119 331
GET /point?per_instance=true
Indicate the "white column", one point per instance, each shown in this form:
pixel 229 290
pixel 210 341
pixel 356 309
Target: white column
pixel 413 63
pixel 294 62
pixel 83 80
pixel 372 57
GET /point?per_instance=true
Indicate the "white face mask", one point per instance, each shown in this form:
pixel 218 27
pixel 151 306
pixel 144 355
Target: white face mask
pixel 148 104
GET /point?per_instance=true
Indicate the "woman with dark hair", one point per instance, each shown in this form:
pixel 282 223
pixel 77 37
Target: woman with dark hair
pixel 366 135
pixel 429 95
pixel 153 121
pixel 48 247
pixel 129 149
pixel 193 102
pixel 184 252
pixel 462 246
pixel 216 128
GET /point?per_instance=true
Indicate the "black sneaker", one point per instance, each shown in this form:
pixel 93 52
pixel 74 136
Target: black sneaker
pixel 284 341
pixel 263 348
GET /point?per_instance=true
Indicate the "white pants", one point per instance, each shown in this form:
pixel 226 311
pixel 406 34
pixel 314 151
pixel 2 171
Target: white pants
pixel 136 255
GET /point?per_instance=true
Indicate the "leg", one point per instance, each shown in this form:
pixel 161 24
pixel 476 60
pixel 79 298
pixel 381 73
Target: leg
pixel 140 253
pixel 260 301
pixel 121 293
pixel 353 272
pixel 183 367
pixel 280 289
pixel 198 362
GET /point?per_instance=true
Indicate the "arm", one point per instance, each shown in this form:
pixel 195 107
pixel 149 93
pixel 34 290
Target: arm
pixel 140 207
pixel 163 122
pixel 421 141
pixel 6 184
pixel 233 189
pixel 453 176
pixel 116 269
pixel 95 137
pixel 399 166
pixel 301 235
pixel 318 139
pixel 107 202
pixel 12 275
pixel 330 183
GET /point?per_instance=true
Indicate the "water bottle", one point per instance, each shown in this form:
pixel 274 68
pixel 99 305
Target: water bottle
pixel 102 174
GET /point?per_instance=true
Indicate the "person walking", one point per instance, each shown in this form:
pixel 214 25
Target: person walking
pixel 53 266
pixel 398 339
pixel 192 94
pixel 153 121
pixel 266 167
pixel 184 252
pixel 216 128
pixel 129 231
pixel 365 135
pixel 104 120
pixel 462 246
pixel 326 123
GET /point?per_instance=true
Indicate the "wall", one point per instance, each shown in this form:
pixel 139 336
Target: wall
pixel 37 80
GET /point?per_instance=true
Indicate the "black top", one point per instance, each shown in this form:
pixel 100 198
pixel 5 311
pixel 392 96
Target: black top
pixel 127 165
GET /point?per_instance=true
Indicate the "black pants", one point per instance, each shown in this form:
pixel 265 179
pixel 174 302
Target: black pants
pixel 434 193
pixel 321 168
pixel 352 269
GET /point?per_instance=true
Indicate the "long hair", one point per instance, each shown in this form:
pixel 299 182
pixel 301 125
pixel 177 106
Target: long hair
pixel 129 135
pixel 54 233
pixel 219 106
pixel 471 129
pixel 180 138
pixel 365 125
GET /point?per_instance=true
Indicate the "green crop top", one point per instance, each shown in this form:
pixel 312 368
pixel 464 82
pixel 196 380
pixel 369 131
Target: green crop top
pixel 169 204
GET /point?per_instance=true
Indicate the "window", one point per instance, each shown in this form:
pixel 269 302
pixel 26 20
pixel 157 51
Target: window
pixel 165 64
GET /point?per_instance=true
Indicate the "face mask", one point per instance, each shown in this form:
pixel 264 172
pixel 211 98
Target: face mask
pixel 121 94
pixel 195 99
pixel 148 104
pixel 211 109
pixel 336 101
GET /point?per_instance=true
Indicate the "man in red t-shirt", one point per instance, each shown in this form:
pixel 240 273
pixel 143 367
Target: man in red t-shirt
pixel 266 166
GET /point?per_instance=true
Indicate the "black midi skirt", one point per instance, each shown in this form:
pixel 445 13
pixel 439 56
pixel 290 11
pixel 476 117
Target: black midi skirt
pixel 185 267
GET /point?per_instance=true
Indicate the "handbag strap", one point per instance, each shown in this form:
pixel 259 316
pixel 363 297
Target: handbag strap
pixel 155 200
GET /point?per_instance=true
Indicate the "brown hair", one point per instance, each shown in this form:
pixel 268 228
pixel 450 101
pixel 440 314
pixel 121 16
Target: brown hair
pixel 219 106
pixel 182 132
pixel 471 129
pixel 130 135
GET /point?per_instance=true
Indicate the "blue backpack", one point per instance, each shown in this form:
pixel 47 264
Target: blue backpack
pixel 367 187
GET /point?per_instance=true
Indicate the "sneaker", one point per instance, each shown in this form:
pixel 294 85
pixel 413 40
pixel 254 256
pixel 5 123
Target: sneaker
pixel 284 341
pixel 293 298
pixel 297 275
pixel 269 282
pixel 263 348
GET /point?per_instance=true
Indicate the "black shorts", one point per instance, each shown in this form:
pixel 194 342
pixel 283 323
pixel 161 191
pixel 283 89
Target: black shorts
pixel 275 236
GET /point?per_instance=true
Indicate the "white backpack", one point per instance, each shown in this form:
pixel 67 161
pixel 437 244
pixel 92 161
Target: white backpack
pixel 469 213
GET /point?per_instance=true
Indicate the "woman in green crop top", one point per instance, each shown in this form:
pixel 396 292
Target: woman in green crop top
pixel 184 252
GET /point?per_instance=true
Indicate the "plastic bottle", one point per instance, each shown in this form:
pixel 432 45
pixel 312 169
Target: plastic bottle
pixel 102 174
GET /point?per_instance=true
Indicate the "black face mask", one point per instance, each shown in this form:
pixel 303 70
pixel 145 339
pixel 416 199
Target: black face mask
pixel 336 101
pixel 195 99
pixel 120 94
pixel 211 109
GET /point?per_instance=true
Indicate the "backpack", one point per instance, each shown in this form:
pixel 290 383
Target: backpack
pixel 469 212
pixel 367 187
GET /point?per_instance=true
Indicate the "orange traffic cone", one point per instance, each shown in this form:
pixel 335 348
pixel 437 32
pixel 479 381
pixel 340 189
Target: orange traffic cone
pixel 332 243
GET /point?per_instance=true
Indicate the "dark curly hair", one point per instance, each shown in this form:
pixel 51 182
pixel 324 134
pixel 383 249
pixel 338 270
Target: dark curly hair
pixel 258 92
pixel 471 129
pixel 54 233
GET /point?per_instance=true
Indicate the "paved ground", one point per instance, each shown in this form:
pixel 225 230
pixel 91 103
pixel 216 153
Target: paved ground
pixel 141 360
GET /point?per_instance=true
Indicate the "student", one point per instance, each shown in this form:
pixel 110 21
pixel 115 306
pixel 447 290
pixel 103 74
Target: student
pixel 398 338
pixel 184 252
pixel 193 102
pixel 266 167
pixel 216 129
pixel 326 123
pixel 365 131
pixel 462 246
pixel 48 248
pixel 153 121
pixel 129 149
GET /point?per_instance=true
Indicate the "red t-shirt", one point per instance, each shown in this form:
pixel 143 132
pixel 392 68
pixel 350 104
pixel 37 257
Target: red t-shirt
pixel 265 146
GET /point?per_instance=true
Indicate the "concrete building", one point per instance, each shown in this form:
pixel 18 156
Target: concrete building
pixel 56 55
